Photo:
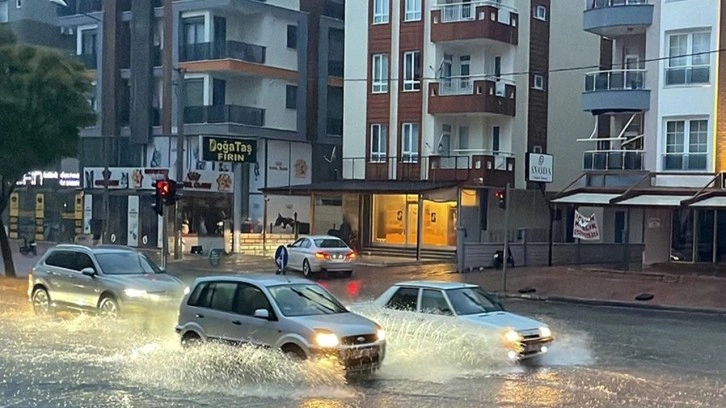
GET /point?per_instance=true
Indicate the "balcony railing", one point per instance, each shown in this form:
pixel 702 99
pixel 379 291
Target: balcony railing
pixel 492 169
pixel 334 9
pixel 221 50
pixel 613 160
pixel 243 115
pixel 615 79
pixel 455 95
pixel 456 85
pixel 685 161
pixel 457 12
pixel 597 4
pixel 335 126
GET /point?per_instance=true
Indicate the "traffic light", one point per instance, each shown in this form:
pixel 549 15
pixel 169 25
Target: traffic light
pixel 165 194
pixel 501 197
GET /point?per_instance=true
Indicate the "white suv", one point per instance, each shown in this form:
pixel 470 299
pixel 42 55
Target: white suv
pixel 294 315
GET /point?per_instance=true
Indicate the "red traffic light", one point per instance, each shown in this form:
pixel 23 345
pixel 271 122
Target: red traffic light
pixel 499 194
pixel 163 187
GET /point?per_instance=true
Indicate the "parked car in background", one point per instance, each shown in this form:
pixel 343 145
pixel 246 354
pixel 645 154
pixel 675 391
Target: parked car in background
pixel 321 253
pixel 292 314
pixel 106 279
pixel 524 337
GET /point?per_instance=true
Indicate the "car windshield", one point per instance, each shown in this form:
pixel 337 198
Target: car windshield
pixel 330 243
pixel 305 300
pixel 126 263
pixel 468 301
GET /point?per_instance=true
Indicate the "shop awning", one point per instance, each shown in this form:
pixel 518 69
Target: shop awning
pixel 586 199
pixel 710 202
pixel 362 186
pixel 653 200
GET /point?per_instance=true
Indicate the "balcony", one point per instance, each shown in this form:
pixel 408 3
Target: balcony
pixel 680 161
pixel 474 20
pixel 464 95
pixel 614 18
pixel 223 50
pixel 493 169
pixel 616 91
pixel 614 160
pixel 241 115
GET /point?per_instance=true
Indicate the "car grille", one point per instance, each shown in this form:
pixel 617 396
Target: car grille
pixel 359 339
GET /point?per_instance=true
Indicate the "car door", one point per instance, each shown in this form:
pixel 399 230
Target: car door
pixel 405 298
pixel 59 266
pixel 306 251
pixel 214 311
pixel 85 289
pixel 433 301
pixel 259 331
pixel 293 255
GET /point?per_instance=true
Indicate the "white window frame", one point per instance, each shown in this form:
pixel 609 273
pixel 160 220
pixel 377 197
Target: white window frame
pixel 380 11
pixel 540 12
pixel 79 37
pixel 409 136
pixel 685 145
pixel 673 63
pixel 5 16
pixel 412 10
pixel 18 3
pixel 379 71
pixel 410 83
pixel 538 82
pixel 379 132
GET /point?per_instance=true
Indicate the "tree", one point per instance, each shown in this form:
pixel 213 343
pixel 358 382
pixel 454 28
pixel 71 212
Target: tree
pixel 43 105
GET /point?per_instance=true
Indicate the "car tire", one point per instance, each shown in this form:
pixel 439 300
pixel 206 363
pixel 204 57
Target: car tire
pixel 306 268
pixel 190 339
pixel 108 308
pixel 41 302
pixel 294 352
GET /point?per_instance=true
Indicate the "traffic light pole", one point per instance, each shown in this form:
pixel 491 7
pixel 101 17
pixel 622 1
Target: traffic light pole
pixel 164 238
pixel 505 256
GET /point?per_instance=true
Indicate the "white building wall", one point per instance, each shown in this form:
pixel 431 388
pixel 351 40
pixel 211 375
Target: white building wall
pixel 566 119
pixel 683 16
pixel 521 64
pixel 355 90
pixel 651 123
pixel 268 30
pixel 265 93
pixel 288 4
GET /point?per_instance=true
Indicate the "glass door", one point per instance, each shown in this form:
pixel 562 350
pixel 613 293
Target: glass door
pixel 411 223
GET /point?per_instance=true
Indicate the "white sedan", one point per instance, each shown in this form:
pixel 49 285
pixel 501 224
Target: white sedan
pixel 525 337
pixel 317 253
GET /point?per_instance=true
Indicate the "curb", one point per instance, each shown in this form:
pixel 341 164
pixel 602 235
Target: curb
pixel 614 303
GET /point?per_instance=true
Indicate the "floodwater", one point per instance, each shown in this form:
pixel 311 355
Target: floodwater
pixel 603 357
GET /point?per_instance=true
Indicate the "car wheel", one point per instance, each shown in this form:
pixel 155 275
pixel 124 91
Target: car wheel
pixel 41 302
pixel 108 308
pixel 294 352
pixel 190 339
pixel 306 268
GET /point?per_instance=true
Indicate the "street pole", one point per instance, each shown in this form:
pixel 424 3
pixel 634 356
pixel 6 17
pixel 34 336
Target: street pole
pixel 164 238
pixel 181 95
pixel 506 238
pixel 106 198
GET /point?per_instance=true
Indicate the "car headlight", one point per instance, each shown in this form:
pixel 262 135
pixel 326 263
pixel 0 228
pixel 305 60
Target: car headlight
pixel 135 293
pixel 380 334
pixel 545 332
pixel 511 336
pixel 326 339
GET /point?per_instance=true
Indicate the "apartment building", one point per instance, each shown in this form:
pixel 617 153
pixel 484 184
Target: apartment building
pixel 446 102
pixel 654 162
pixel 268 74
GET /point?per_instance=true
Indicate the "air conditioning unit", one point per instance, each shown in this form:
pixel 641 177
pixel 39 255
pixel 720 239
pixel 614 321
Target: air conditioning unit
pixel 66 30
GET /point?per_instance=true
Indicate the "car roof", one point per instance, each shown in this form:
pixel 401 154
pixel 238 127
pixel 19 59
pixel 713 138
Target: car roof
pixel 436 284
pixel 262 279
pixel 322 237
pixel 98 249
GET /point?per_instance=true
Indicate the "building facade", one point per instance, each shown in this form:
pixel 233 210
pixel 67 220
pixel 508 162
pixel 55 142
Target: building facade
pixel 654 162
pixel 243 80
pixel 461 94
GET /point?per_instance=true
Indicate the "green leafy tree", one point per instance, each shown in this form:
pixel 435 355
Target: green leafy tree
pixel 43 104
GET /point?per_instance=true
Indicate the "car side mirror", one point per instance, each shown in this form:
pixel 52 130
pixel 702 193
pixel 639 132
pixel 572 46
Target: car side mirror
pixel 289 245
pixel 262 314
pixel 88 272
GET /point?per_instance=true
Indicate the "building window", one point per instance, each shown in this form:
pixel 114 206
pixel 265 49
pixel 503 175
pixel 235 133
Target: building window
pixel 291 97
pixel 292 36
pixel 413 10
pixel 409 143
pixel 686 145
pixel 88 42
pixel 380 11
pixel 411 71
pixel 689 59
pixel 379 140
pixel 193 30
pixel 540 12
pixel 380 73
pixel 4 11
pixel 18 3
pixel 538 82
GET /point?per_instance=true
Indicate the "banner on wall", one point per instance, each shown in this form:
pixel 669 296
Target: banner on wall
pixel 39 216
pixel 87 213
pixel 14 215
pixel 132 238
pixel 122 177
pixel 585 228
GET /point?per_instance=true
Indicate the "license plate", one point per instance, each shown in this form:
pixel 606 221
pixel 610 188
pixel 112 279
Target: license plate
pixel 532 348
pixel 365 353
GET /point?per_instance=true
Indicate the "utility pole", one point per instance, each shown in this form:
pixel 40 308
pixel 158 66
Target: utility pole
pixel 181 99
pixel 506 239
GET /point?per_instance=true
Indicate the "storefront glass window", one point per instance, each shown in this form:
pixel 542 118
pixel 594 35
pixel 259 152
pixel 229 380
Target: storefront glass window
pixel 206 216
pixel 704 235
pixel 682 236
pixel 721 236
pixel 395 221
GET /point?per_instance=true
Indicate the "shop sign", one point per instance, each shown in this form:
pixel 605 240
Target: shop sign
pixel 37 178
pixel 539 167
pixel 132 237
pixel 585 228
pixel 209 180
pixel 228 149
pixel 119 178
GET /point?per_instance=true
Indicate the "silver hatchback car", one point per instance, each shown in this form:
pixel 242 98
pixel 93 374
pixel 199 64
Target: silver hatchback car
pixel 105 279
pixel 294 315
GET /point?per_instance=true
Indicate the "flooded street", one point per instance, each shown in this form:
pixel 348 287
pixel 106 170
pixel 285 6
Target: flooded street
pixel 602 357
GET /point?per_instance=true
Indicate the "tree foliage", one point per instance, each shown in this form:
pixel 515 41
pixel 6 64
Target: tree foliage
pixel 43 105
